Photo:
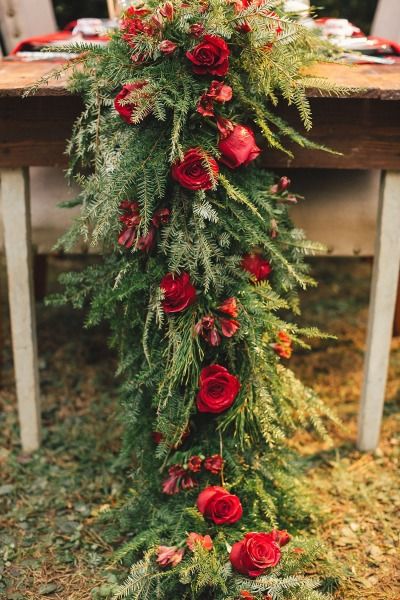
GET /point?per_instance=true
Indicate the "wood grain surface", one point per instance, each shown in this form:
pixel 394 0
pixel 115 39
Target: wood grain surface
pixel 372 81
pixel 363 127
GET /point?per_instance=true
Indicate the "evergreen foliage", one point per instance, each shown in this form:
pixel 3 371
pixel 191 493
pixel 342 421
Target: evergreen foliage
pixel 243 212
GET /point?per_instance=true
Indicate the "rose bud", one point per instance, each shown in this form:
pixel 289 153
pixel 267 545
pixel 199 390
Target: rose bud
pixel 244 27
pixel 229 307
pixel 206 328
pixel 257 266
pixel 237 144
pixel 281 537
pixel 131 219
pixel 157 21
pixel 205 324
pixel 197 29
pixel 167 47
pixel 169 556
pixel 191 172
pixel 179 293
pixel 213 337
pixel 194 464
pixel 157 437
pixel 146 242
pixel 256 553
pixel 195 538
pixel 167 11
pixel 161 217
pixel 282 185
pixel 219 505
pixel 214 464
pixel 218 390
pixel 274 229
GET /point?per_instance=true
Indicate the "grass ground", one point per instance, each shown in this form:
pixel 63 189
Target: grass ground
pixel 51 542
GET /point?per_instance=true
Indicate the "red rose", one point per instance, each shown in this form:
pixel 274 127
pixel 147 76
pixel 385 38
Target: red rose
pixel 218 390
pixel 281 537
pixel 219 505
pixel 237 144
pixel 167 47
pixel 256 553
pixel 179 293
pixel 214 464
pixel 211 56
pixel 257 266
pixel 193 174
pixel 126 110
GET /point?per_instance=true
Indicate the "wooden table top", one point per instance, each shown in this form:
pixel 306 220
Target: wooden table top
pixel 363 127
pixel 372 81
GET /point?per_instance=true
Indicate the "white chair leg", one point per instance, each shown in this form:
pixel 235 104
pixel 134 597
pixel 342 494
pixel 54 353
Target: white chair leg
pixel 382 307
pixel 17 241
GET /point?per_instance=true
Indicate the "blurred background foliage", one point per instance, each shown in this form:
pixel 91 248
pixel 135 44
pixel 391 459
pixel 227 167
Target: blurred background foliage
pixel 360 12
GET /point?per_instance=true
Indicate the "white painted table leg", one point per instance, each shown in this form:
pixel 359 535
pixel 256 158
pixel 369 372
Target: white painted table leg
pixel 382 306
pixel 17 240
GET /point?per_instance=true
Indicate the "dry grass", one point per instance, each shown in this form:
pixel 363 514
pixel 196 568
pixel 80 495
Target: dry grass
pixel 50 545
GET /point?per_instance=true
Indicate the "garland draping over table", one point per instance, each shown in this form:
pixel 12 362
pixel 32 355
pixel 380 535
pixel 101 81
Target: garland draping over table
pixel 201 264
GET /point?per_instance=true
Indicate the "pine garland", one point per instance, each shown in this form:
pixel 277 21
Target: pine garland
pixel 201 263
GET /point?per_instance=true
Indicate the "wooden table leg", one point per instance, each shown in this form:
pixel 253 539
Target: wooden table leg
pixel 17 241
pixel 396 324
pixel 382 307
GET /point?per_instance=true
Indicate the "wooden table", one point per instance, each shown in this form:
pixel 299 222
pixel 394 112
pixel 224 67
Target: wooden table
pixel 364 127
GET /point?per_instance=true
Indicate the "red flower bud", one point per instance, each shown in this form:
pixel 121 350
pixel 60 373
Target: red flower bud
pixel 214 464
pixel 195 463
pixel 229 327
pixel 195 538
pixel 167 11
pixel 281 537
pixel 282 185
pixel 197 30
pixel 167 47
pixel 169 556
pixel 229 307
